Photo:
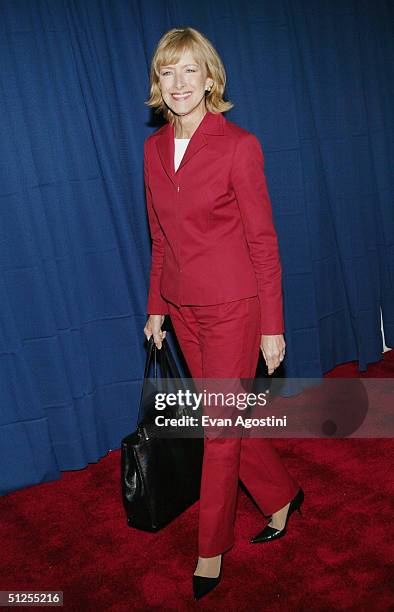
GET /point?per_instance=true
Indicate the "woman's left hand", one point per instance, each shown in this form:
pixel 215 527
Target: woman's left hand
pixel 273 348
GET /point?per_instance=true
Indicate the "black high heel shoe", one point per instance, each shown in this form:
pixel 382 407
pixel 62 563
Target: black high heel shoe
pixel 270 533
pixel 202 585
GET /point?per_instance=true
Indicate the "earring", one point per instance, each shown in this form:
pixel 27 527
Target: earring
pixel 209 88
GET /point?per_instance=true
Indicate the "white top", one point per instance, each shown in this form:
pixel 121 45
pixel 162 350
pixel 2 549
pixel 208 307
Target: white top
pixel 180 148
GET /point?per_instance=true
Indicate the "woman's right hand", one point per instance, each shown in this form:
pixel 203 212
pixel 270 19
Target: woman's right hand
pixel 153 327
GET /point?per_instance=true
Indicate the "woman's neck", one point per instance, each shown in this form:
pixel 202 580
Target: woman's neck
pixel 184 127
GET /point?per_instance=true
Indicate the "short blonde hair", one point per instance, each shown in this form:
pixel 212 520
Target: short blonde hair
pixel 169 50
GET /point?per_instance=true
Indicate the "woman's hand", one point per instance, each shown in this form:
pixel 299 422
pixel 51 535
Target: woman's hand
pixel 273 348
pixel 153 326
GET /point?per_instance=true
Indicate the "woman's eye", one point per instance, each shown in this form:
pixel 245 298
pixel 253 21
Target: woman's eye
pixel 169 72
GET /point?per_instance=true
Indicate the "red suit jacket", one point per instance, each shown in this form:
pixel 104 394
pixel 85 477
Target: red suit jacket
pixel 213 238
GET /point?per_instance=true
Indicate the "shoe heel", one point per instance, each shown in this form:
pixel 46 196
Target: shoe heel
pixel 270 533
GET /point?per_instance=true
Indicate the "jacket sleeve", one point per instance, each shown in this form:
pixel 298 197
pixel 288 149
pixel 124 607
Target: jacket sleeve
pixel 156 304
pixel 250 187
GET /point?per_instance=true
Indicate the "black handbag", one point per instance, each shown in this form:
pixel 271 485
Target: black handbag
pixel 160 476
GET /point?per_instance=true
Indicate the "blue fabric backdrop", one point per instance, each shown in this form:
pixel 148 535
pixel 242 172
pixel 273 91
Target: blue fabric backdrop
pixel 313 80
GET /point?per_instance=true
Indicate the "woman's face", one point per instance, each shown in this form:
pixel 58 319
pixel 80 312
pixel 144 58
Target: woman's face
pixel 183 85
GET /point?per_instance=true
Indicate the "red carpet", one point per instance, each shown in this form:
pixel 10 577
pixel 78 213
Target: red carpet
pixel 71 535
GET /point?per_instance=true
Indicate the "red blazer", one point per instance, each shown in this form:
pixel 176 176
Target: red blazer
pixel 213 238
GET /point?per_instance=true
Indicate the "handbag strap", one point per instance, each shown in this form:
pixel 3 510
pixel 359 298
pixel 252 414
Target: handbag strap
pixel 168 366
pixel 151 350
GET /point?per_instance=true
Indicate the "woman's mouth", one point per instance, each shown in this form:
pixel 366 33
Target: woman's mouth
pixel 183 96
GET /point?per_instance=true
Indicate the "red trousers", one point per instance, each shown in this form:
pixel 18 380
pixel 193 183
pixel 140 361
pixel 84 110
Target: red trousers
pixel 223 341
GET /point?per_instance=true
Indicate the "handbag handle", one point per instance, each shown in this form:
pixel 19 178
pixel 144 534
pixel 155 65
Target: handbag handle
pixel 168 364
pixel 168 367
pixel 151 349
pixel 151 346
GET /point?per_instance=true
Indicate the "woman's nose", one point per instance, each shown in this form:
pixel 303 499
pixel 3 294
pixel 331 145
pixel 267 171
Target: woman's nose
pixel 180 82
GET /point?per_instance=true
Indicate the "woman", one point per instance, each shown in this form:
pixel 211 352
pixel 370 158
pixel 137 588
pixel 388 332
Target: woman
pixel 216 272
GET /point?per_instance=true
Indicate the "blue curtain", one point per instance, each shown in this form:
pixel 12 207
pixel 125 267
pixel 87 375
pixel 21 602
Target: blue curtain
pixel 313 80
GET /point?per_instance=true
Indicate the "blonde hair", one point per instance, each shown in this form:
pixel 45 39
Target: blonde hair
pixel 169 50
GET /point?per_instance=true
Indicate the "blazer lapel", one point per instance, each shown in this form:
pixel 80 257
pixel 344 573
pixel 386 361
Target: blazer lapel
pixel 211 123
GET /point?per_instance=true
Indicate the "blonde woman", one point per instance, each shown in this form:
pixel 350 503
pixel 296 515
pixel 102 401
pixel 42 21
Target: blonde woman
pixel 216 272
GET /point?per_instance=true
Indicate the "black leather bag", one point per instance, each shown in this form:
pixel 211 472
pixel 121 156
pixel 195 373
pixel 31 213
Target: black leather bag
pixel 160 476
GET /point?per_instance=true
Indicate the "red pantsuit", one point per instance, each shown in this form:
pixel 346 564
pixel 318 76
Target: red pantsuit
pixel 223 341
pixel 216 271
